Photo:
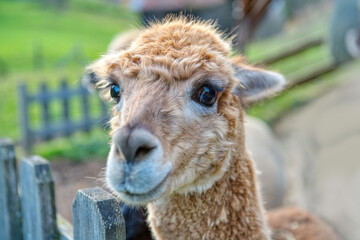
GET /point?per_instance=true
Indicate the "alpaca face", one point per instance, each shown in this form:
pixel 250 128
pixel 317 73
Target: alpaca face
pixel 175 117
pixel 167 135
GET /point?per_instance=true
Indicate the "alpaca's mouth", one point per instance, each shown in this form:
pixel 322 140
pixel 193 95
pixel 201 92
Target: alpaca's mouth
pixel 138 182
pixel 152 191
pixel 153 194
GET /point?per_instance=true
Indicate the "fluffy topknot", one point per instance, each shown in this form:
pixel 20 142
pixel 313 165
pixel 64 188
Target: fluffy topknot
pixel 175 36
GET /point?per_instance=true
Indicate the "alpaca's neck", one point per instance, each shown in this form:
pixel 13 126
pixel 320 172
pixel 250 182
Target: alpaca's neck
pixel 231 209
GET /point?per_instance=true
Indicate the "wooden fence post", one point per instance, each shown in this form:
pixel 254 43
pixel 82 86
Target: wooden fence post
pixel 24 118
pixel 38 200
pixel 10 212
pixel 66 107
pixel 97 215
pixel 45 103
pixel 85 108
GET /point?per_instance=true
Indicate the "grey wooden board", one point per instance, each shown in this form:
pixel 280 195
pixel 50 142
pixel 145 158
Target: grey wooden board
pixel 97 215
pixel 10 212
pixel 38 201
pixel 66 107
pixel 24 118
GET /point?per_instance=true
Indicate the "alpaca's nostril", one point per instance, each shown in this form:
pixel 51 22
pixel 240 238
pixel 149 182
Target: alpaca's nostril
pixel 143 151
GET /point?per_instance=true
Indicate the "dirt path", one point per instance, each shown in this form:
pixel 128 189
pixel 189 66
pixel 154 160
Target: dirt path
pixel 69 177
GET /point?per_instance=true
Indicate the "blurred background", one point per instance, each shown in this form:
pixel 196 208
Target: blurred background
pixel 45 45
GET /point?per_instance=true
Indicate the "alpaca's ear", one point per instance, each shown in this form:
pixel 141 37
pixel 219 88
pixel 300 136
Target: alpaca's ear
pixel 93 72
pixel 98 71
pixel 89 80
pixel 256 84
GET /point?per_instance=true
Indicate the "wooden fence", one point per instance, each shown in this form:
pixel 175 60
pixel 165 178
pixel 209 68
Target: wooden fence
pixel 296 49
pixel 28 211
pixel 51 128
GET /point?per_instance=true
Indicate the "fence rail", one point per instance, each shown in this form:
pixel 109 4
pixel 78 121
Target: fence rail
pixel 49 128
pixel 322 68
pixel 296 49
pixel 28 210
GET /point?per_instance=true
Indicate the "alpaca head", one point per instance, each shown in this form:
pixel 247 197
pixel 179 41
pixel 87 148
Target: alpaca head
pixel 176 113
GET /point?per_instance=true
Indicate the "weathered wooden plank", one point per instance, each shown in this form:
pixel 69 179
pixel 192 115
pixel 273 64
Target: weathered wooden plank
pixel 71 92
pixel 97 215
pixel 105 117
pixel 57 130
pixel 312 75
pixel 24 118
pixel 37 199
pixel 292 51
pixel 65 102
pixel 10 212
pixel 85 109
pixel 45 111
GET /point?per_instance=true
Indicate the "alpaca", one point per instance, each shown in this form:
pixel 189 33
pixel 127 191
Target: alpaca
pixel 178 135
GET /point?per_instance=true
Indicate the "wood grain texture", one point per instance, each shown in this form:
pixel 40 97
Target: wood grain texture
pixel 10 212
pixel 38 200
pixel 97 215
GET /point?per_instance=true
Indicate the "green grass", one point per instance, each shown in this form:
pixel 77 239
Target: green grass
pixel 78 147
pixel 29 30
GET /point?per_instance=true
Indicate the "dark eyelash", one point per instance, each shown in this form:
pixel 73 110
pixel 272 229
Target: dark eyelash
pixel 211 83
pixel 111 81
pixel 218 88
pixel 108 85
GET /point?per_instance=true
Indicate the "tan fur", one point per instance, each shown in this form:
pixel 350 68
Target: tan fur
pixel 298 224
pixel 212 190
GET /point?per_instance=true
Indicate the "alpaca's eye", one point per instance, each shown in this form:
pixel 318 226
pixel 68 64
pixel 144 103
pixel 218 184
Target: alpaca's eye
pixel 115 92
pixel 206 95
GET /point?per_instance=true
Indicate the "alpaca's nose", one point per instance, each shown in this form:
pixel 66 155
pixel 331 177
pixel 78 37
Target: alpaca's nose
pixel 135 144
